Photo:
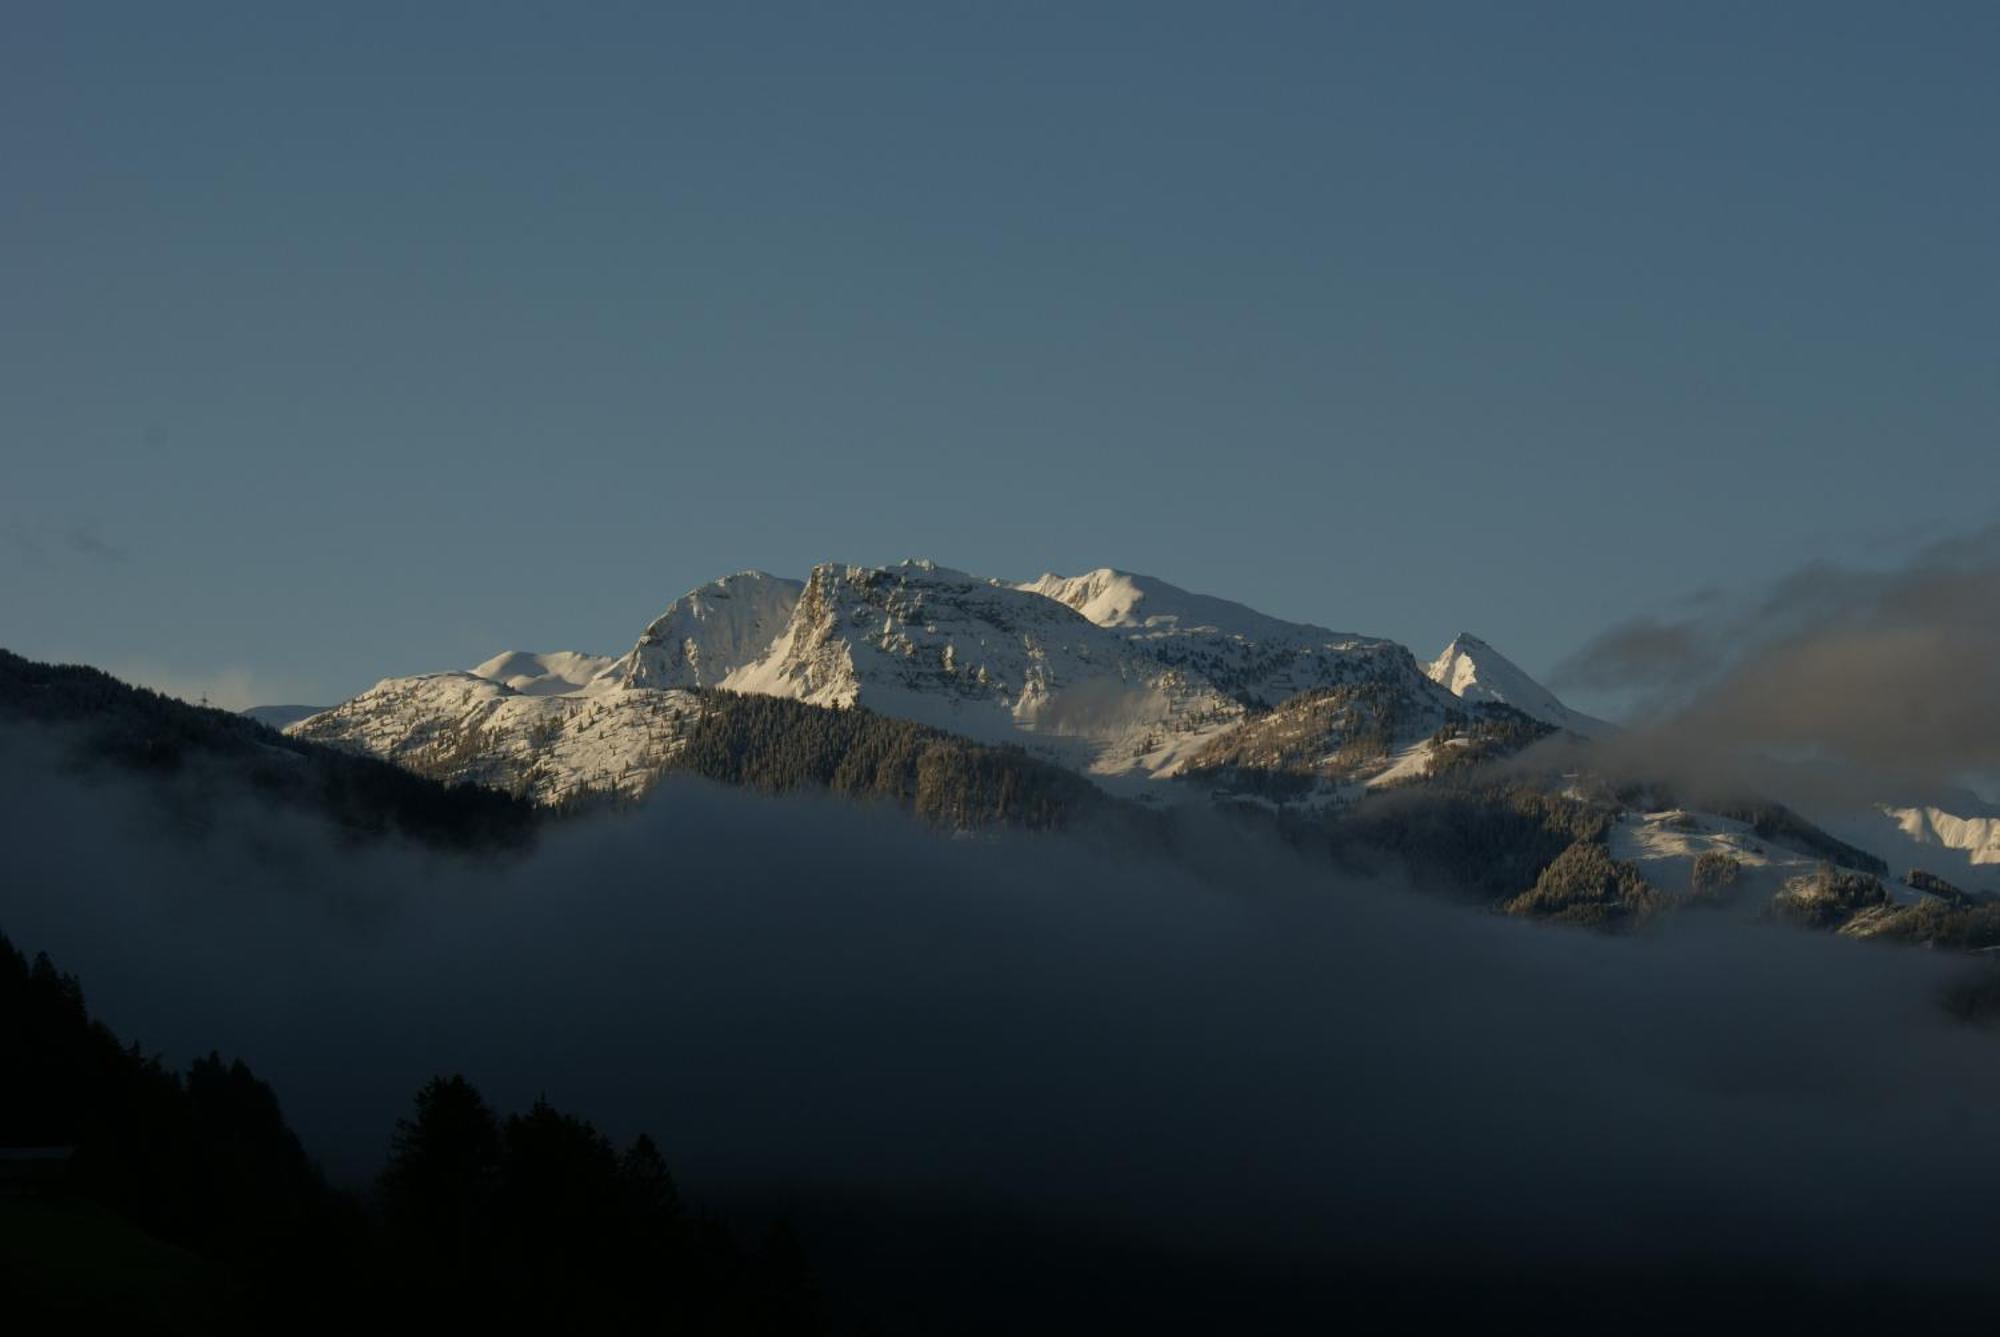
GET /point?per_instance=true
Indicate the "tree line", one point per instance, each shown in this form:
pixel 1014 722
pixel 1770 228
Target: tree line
pixel 534 1216
pixel 779 745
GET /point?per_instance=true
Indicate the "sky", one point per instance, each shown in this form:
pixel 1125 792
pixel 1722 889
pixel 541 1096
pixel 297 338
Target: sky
pixel 346 341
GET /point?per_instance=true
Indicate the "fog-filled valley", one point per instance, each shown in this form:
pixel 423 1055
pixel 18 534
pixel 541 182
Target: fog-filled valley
pixel 1284 1078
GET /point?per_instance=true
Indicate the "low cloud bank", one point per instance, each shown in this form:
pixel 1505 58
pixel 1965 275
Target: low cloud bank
pixel 1888 682
pixel 1260 1057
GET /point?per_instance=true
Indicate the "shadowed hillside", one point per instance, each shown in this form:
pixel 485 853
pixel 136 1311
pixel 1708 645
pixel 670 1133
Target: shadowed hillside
pixel 112 724
pixel 776 744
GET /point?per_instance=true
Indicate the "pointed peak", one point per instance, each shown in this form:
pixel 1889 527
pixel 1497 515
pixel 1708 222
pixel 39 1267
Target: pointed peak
pixel 710 631
pixel 1474 671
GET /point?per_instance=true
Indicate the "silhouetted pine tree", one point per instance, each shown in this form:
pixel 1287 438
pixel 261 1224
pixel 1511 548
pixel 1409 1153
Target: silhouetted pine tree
pixel 533 1219
pixel 440 1183
pixel 560 1211
pixel 208 1163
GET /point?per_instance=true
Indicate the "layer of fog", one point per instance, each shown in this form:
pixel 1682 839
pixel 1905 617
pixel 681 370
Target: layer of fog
pixel 1237 1050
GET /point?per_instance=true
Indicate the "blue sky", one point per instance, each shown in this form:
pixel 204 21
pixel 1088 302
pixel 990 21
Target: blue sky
pixel 341 341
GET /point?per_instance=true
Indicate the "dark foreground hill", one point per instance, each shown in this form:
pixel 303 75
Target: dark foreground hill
pixel 184 1202
pixel 100 723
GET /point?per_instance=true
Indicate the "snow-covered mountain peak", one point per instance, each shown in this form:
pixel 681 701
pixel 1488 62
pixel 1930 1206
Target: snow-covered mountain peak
pixel 1254 657
pixel 553 674
pixel 1474 671
pixel 1108 597
pixel 1124 599
pixel 710 632
pixel 982 658
pixel 1112 672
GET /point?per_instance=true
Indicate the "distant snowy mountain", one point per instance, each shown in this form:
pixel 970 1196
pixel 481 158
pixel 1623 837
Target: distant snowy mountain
pixel 1112 598
pixel 1474 671
pixel 553 674
pixel 1978 838
pixel 1963 846
pixel 1153 691
pixel 1257 659
pixel 1119 675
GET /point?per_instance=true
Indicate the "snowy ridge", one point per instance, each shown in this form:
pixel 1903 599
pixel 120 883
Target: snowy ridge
pixel 1964 849
pixel 1257 659
pixel 1113 598
pixel 1977 837
pixel 710 632
pixel 1119 675
pixel 553 674
pixel 983 659
pixel 460 727
pixel 1476 673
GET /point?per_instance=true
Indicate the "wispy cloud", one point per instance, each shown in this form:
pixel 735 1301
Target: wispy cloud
pixel 85 540
pixel 44 543
pixel 1893 672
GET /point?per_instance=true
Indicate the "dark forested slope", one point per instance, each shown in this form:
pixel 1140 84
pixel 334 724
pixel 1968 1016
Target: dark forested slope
pixel 105 723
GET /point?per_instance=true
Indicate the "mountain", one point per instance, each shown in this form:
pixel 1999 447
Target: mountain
pixel 1113 598
pixel 1377 723
pixel 986 660
pixel 1962 846
pixel 976 701
pixel 1475 672
pixel 562 726
pixel 710 632
pixel 1258 660
pixel 1977 837
pixel 549 747
pixel 1120 676
pixel 554 674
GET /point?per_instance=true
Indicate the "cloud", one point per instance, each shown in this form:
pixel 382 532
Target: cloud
pixel 1644 653
pixel 40 542
pixel 85 540
pixel 1889 678
pixel 1212 1048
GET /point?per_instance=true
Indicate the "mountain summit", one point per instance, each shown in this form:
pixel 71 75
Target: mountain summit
pixel 1474 671
pixel 1113 598
pixel 1121 676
